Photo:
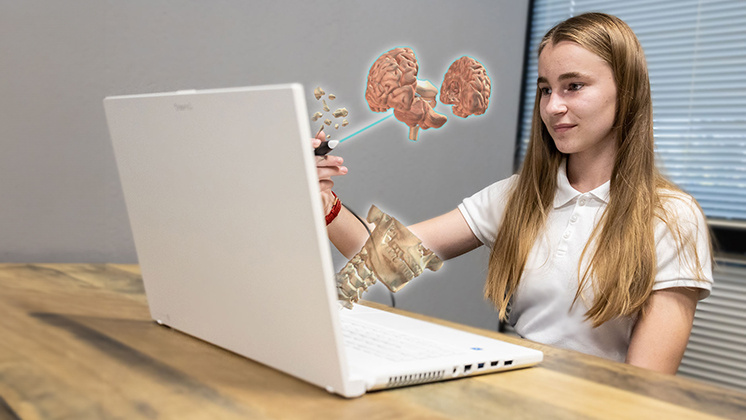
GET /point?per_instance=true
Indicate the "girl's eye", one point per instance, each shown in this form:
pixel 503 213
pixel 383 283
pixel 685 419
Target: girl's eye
pixel 545 91
pixel 575 86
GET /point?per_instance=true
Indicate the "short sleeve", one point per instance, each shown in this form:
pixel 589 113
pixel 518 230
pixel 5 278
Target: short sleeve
pixel 683 245
pixel 484 210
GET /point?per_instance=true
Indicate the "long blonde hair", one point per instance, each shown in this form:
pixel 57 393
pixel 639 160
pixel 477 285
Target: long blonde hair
pixel 622 268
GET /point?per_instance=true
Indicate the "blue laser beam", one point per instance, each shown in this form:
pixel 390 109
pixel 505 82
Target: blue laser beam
pixel 369 126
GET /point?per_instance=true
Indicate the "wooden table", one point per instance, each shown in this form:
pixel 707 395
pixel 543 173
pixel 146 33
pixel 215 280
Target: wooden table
pixel 76 342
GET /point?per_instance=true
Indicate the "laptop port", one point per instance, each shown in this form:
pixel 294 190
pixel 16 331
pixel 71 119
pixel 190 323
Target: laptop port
pixel 480 366
pixel 494 363
pixel 508 362
pixel 467 368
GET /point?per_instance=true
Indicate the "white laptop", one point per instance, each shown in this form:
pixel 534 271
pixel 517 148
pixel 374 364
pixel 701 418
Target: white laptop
pixel 223 202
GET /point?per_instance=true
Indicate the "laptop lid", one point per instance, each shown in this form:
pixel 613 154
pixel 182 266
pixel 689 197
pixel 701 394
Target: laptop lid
pixel 219 190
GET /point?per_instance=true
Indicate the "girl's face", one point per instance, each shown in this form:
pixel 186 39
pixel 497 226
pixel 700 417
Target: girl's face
pixel 578 99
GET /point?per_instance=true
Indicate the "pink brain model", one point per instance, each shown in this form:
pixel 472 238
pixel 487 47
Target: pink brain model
pixel 467 87
pixel 392 83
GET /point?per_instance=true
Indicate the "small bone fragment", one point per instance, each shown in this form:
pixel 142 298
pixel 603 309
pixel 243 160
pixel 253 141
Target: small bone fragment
pixel 317 115
pixel 336 126
pixel 328 121
pixel 328 136
pixel 318 93
pixel 340 112
pixel 332 96
pixel 326 107
pixel 344 123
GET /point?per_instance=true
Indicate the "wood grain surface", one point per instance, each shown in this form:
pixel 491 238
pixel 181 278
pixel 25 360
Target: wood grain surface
pixel 77 342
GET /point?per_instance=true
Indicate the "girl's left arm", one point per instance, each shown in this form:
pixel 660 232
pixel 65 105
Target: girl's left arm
pixel 661 334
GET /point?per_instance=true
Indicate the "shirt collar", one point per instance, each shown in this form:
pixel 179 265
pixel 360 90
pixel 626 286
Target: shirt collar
pixel 566 193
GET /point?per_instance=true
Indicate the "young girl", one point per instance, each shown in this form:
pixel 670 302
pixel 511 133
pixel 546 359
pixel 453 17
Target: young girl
pixel 592 248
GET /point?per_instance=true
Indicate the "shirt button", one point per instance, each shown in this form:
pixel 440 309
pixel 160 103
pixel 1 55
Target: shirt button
pixel 566 234
pixel 574 218
pixel 582 201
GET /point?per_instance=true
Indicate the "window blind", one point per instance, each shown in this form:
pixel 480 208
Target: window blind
pixel 696 54
pixel 715 349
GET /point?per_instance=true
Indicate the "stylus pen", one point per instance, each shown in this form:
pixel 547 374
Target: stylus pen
pixel 325 147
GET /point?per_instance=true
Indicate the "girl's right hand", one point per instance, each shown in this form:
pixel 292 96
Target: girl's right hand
pixel 327 166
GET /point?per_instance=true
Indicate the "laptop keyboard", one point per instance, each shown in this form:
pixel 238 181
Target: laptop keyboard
pixel 390 344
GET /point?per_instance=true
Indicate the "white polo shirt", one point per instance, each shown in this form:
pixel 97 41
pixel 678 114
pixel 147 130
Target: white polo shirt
pixel 542 308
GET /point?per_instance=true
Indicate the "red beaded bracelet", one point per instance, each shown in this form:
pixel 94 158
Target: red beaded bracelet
pixel 336 207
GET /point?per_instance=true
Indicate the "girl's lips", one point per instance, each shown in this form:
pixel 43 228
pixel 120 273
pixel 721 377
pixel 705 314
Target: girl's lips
pixel 561 128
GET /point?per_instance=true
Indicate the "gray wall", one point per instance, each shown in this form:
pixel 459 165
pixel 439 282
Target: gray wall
pixel 60 199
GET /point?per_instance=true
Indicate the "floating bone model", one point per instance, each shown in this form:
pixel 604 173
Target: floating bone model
pixel 392 255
